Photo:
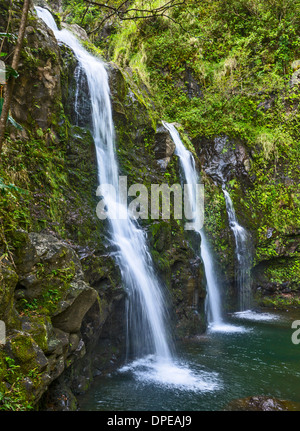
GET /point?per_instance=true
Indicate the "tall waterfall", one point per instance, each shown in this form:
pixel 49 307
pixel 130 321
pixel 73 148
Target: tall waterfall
pixel 191 177
pixel 243 255
pixel 146 306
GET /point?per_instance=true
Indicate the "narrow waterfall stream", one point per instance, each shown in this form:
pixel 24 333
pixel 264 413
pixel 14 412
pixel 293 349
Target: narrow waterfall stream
pixel 149 343
pixel 191 176
pixel 243 255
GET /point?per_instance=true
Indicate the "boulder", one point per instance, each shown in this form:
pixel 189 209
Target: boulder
pixel 26 352
pixel 79 300
pixel 78 31
pixel 52 277
pixel 262 403
pixel 40 329
pixel 45 264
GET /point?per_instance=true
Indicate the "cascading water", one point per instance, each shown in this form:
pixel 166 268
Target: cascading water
pixel 147 312
pixel 146 308
pixel 243 255
pixel 191 176
pixel 136 267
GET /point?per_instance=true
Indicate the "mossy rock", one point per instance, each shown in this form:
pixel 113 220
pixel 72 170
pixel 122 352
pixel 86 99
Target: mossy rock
pixel 8 282
pixel 40 329
pixel 22 347
pixel 71 311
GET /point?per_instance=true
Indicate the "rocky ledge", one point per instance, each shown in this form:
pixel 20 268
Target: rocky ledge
pixel 53 316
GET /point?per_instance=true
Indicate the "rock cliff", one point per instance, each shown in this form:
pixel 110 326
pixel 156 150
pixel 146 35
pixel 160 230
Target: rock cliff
pixel 61 295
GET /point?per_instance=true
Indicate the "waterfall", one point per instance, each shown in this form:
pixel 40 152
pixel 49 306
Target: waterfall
pixel 243 255
pixel 191 177
pixel 146 307
pixel 213 299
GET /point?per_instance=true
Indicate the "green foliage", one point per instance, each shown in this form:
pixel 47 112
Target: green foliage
pixel 11 72
pixel 32 175
pixel 234 50
pixel 13 395
pixel 56 282
pixel 76 12
pixel 280 301
pixel 285 272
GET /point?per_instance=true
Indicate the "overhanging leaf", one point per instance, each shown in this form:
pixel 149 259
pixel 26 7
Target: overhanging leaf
pixel 8 36
pixel 11 72
pixel 10 118
pixel 14 123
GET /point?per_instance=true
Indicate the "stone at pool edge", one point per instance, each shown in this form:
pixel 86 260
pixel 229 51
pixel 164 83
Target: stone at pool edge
pixel 262 403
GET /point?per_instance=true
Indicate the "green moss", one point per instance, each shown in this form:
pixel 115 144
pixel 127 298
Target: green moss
pixel 14 395
pixel 288 271
pixel 279 301
pixel 22 348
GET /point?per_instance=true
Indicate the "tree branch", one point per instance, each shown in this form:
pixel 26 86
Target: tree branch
pixel 7 27
pixel 101 5
pixel 14 65
pixel 147 13
pixel 158 10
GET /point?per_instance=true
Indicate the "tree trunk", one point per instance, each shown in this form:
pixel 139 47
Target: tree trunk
pixel 15 62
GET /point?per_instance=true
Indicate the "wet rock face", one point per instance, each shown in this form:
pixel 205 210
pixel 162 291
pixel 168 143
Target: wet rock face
pixel 41 264
pixel 76 99
pixel 222 158
pixel 188 84
pixel 51 280
pixel 39 70
pixel 164 146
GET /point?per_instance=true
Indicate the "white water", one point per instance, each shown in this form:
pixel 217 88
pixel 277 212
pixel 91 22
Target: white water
pixel 255 316
pixel 243 255
pixel 146 306
pixel 146 323
pixel 174 375
pixel 191 177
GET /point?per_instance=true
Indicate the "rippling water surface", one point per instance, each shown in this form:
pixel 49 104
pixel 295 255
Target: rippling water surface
pixel 252 355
